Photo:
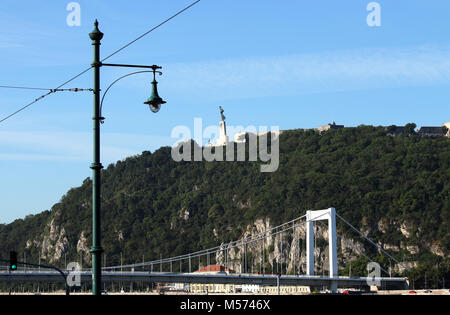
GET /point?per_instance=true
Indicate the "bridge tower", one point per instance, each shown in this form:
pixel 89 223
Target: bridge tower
pixel 316 215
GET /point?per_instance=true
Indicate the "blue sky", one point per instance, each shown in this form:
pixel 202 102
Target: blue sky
pixel 289 63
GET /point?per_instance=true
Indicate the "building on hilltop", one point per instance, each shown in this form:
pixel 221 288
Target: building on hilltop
pixel 442 131
pixel 329 126
pixel 427 131
pixel 431 131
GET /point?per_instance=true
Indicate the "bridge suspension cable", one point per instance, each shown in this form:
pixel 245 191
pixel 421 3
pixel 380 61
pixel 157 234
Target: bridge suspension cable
pixel 227 246
pixel 369 240
pixel 244 242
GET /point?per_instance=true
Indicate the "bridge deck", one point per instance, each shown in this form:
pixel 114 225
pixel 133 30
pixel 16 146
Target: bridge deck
pixel 86 276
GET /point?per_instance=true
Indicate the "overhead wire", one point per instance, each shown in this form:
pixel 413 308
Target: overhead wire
pixel 151 30
pixel 22 88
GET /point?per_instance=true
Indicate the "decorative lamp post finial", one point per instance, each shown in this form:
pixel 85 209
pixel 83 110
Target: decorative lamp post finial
pixel 96 34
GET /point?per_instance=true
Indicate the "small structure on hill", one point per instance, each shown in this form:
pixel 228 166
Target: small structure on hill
pixel 329 126
pixel 431 131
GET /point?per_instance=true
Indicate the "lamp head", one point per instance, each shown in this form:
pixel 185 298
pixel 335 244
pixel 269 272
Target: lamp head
pixel 155 101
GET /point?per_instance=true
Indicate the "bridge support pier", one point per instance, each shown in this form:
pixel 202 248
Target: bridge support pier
pixel 330 215
pixel 309 246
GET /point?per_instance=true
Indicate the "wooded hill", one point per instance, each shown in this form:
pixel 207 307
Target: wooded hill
pixel 395 189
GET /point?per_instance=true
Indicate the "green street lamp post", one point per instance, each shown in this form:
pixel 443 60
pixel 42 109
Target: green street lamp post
pixel 154 103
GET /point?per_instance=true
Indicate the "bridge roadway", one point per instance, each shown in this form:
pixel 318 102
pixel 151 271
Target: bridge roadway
pixel 161 277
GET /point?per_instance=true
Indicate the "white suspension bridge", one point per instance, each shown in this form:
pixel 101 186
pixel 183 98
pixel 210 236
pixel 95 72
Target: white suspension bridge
pixel 289 271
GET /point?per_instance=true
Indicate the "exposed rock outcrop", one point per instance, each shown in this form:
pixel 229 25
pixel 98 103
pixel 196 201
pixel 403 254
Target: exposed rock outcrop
pixel 54 243
pixel 82 247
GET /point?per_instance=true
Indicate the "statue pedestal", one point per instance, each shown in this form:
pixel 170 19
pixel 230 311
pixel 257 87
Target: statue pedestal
pixel 223 138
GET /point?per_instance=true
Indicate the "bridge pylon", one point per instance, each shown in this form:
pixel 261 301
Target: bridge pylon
pixel 316 215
